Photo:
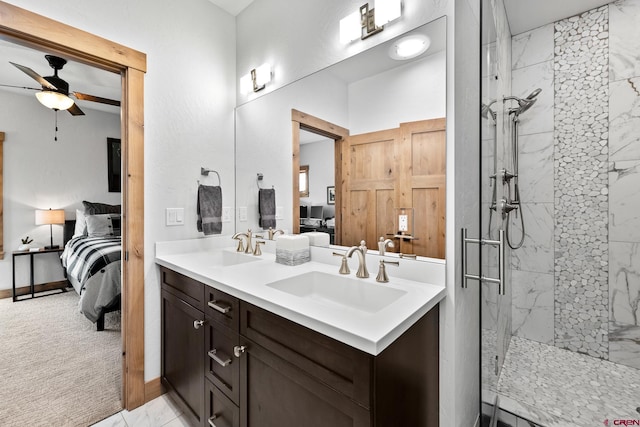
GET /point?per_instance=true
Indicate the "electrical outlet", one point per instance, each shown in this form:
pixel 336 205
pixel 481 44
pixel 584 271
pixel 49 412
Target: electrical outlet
pixel 242 213
pixel 227 213
pixel 279 212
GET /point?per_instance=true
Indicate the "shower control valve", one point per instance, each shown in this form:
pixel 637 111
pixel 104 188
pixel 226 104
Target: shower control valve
pixel 506 206
pixel 507 176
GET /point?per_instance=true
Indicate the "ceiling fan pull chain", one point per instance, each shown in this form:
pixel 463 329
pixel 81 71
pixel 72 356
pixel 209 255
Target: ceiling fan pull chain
pixel 55 137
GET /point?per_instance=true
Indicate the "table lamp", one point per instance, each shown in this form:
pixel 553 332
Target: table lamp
pixel 50 217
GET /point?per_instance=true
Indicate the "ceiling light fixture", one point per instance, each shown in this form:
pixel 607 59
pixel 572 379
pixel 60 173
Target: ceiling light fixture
pixel 256 80
pixel 409 47
pixel 368 20
pixel 54 100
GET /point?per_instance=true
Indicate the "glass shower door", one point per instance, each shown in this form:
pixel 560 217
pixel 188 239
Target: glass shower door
pixel 495 300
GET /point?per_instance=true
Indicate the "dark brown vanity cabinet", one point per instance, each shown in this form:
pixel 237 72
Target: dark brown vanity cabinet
pixel 183 343
pixel 258 369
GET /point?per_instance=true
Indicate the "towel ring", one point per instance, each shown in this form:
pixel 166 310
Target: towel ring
pixel 259 179
pixel 205 172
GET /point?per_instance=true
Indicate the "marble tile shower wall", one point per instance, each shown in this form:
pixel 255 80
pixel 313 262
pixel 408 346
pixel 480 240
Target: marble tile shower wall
pixel 624 182
pixel 576 280
pixel 533 264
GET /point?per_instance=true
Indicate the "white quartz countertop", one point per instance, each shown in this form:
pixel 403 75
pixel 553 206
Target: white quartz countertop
pixel 370 332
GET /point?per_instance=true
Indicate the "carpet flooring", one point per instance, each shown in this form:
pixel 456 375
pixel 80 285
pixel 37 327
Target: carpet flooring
pixel 55 368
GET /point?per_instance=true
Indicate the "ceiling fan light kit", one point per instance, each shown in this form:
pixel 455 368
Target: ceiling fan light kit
pixel 55 91
pixel 54 100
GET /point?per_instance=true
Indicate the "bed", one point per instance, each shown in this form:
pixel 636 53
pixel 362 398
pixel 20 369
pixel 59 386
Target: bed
pixel 93 267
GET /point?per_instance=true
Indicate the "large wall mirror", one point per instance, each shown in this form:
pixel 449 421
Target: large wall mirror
pixel 370 129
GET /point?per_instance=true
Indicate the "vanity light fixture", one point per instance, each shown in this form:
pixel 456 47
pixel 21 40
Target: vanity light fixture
pixel 368 20
pixel 256 80
pixel 409 47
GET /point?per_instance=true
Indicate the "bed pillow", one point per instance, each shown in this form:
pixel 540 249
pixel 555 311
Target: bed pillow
pixel 103 225
pixel 81 224
pixel 93 208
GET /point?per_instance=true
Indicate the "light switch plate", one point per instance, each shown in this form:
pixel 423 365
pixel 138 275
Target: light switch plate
pixel 175 216
pixel 242 213
pixel 227 213
pixel 279 212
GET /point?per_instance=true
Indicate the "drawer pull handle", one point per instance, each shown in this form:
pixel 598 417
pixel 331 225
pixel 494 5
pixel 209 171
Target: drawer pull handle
pixel 238 350
pixel 222 309
pixel 213 354
pixel 197 324
pixel 210 420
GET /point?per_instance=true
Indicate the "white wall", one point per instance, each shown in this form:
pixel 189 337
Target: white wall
pixel 320 157
pixel 379 102
pixel 40 173
pixel 189 100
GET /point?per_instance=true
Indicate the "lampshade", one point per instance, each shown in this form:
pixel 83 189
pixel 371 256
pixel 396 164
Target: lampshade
pixel 48 217
pixel 54 100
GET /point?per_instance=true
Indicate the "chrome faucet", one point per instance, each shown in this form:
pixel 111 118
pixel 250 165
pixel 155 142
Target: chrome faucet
pixel 362 261
pixel 248 249
pixel 384 244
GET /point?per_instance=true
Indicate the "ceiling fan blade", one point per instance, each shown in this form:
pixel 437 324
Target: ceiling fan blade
pixel 35 76
pixel 75 110
pixel 85 97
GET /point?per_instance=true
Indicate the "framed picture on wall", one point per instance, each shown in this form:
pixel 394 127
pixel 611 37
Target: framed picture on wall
pixel 114 161
pixel 331 195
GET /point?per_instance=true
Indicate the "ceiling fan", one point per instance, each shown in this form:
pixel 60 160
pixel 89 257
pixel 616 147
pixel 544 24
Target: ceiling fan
pixel 55 91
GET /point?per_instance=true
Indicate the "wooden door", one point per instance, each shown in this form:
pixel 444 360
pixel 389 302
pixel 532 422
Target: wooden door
pixel 396 168
pixel 369 180
pixel 422 184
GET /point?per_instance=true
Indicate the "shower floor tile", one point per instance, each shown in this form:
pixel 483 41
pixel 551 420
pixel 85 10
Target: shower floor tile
pixel 556 387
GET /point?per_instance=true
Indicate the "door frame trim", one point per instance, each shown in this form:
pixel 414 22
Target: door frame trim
pixel 300 120
pixel 28 29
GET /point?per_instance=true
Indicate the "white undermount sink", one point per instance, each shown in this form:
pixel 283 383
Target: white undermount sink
pixel 227 258
pixel 342 291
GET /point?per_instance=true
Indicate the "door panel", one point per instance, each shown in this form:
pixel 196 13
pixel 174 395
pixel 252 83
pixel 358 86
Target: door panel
pixel 396 168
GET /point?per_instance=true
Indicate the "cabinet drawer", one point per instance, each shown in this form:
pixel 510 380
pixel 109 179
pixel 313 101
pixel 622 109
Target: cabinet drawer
pixel 220 412
pixel 337 365
pixel 222 368
pixel 222 307
pixel 183 287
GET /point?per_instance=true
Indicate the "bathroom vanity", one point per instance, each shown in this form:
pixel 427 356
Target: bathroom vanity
pixel 243 345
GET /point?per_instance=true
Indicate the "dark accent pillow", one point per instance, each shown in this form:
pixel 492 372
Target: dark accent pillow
pixel 93 208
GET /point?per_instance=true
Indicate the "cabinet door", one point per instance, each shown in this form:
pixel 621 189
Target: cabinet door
pixel 183 356
pixel 221 411
pixel 221 367
pixel 275 393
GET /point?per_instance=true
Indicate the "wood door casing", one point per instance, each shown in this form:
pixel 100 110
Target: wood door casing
pixel 402 167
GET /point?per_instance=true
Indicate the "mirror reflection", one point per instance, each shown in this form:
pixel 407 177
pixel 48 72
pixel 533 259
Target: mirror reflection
pixel 371 131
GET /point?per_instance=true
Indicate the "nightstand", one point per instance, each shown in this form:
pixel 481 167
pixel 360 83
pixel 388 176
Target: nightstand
pixel 61 285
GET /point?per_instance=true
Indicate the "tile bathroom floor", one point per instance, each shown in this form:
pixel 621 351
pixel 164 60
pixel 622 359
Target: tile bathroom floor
pixel 556 387
pixel 159 412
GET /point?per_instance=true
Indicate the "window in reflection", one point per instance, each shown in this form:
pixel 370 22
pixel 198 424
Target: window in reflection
pixel 304 181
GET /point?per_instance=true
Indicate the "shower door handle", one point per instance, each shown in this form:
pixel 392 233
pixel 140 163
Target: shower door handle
pixel 501 264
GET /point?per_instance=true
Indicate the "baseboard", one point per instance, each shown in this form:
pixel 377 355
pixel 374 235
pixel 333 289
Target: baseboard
pixel 153 389
pixel 25 290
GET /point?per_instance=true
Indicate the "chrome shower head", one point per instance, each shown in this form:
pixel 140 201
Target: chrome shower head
pixel 534 93
pixel 486 111
pixel 523 104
